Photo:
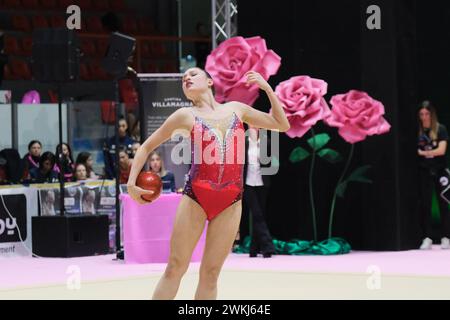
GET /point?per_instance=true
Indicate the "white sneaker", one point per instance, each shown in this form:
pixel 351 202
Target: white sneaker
pixel 426 244
pixel 445 243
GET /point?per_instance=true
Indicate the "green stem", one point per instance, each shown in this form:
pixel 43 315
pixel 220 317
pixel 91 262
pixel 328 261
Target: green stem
pixel 311 195
pixel 333 203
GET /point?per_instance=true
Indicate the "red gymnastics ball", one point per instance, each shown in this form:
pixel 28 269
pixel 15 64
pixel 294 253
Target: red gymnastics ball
pixel 150 181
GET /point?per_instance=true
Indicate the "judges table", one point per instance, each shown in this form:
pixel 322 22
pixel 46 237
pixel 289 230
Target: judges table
pixel 147 229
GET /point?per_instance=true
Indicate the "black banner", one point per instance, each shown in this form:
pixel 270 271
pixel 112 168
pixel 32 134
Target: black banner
pixel 160 96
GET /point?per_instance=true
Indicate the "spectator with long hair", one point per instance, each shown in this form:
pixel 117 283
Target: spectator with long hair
pixel 45 173
pixel 34 154
pixel 85 158
pixel 156 165
pixel 67 162
pixel 432 149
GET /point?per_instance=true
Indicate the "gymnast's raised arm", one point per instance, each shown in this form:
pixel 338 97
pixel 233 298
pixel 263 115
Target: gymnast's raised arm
pixel 275 121
pixel 179 120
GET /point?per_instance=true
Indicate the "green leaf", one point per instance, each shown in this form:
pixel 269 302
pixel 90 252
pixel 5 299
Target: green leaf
pixel 319 141
pixel 298 154
pixel 340 190
pixel 358 175
pixel 330 155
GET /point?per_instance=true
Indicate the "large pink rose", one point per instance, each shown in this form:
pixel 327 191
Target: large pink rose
pixel 229 62
pixel 303 103
pixel 357 115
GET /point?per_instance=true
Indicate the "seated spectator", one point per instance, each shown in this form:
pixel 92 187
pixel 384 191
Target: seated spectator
pixel 134 148
pixel 156 165
pixel 80 172
pixel 134 127
pixel 33 155
pixel 86 159
pixel 124 165
pixel 45 173
pixel 67 161
pixel 12 167
pixel 110 146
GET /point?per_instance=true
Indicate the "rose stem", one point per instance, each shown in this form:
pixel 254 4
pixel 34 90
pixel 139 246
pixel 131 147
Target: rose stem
pixel 311 195
pixel 330 226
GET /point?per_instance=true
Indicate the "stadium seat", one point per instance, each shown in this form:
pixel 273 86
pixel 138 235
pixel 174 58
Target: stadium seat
pixel 49 4
pixel 118 5
pixel 88 47
pixel 11 4
pixel 12 46
pixel 94 24
pixel 20 69
pixel 30 4
pixel 57 21
pixel 27 45
pixel 39 21
pixel 21 23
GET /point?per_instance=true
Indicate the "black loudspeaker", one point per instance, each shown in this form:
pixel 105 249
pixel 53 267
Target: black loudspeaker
pixel 56 55
pixel 120 50
pixel 70 236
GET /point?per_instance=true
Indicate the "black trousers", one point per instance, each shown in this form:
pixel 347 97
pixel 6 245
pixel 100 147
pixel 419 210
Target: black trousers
pixel 255 199
pixel 429 180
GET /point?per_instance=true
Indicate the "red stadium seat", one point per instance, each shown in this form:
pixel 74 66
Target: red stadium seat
pixel 30 4
pixel 8 74
pixel 57 21
pixel 146 26
pixel 102 46
pixel 88 47
pixel 39 21
pixel 84 4
pixel 130 25
pixel 158 49
pixel 11 4
pixel 145 50
pixel 53 96
pixel 97 72
pixel 49 4
pixel 20 69
pixel 128 94
pixel 94 24
pixel 101 5
pixel 118 5
pixel 84 72
pixel 12 46
pixel 151 67
pixel 64 4
pixel 21 23
pixel 108 111
pixel 169 67
pixel 27 45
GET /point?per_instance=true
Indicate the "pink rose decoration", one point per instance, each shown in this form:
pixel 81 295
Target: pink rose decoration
pixel 357 115
pixel 303 103
pixel 229 62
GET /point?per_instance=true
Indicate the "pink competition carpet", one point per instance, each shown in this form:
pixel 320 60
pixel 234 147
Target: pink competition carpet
pixel 30 272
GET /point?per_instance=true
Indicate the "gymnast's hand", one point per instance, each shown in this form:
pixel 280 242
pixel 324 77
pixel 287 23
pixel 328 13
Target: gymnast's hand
pixel 136 193
pixel 255 78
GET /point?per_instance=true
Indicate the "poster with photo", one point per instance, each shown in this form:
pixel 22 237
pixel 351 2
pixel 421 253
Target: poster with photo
pixel 107 202
pixel 90 199
pixel 49 201
pixel 72 200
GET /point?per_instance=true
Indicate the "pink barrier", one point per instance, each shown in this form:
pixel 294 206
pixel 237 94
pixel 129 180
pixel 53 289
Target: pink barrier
pixel 147 229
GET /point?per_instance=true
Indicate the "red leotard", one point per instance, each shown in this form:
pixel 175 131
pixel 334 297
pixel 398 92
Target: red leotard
pixel 215 179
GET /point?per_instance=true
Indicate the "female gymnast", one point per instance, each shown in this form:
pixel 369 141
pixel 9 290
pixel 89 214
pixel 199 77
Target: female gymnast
pixel 213 191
